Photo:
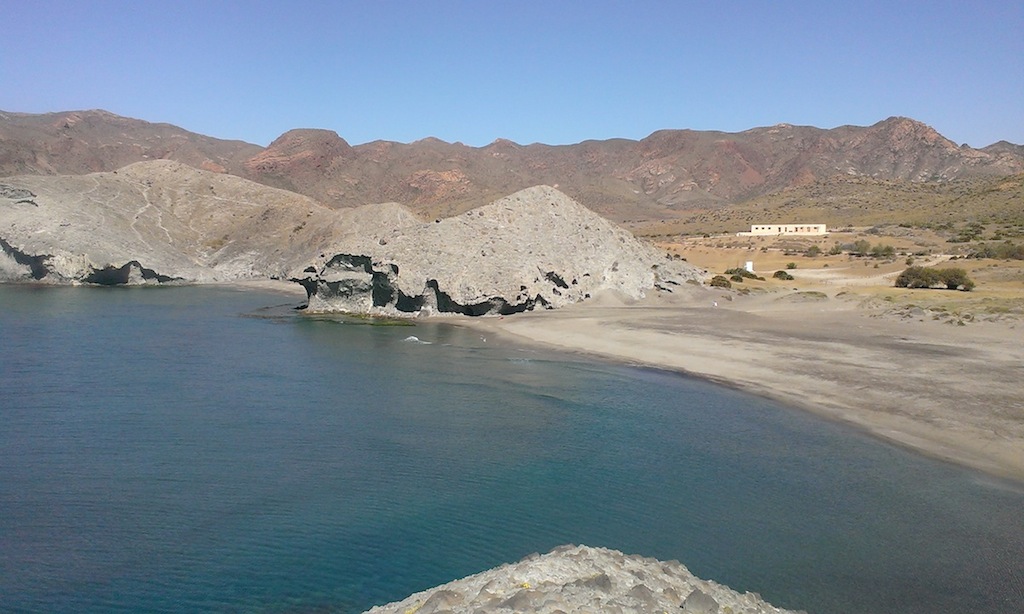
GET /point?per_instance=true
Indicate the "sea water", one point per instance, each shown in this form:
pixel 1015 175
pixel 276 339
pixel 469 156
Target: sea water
pixel 203 449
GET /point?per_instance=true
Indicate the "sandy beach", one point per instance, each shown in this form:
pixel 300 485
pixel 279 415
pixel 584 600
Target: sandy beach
pixel 949 391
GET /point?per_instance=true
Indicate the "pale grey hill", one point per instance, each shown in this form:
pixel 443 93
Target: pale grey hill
pixel 537 247
pixel 163 221
pixel 578 579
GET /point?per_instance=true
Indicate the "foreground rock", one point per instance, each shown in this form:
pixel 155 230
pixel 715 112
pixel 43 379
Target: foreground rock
pixel 582 579
pixel 535 248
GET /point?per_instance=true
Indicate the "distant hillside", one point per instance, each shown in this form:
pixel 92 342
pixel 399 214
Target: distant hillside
pixel 664 176
pixel 79 142
pixel 653 178
pixel 862 201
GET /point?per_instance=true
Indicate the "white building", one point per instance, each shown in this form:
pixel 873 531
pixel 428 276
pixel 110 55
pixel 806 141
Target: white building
pixel 784 229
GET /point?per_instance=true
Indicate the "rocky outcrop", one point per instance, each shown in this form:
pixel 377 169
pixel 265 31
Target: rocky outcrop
pixel 572 579
pixel 534 248
pixel 164 222
pixel 161 222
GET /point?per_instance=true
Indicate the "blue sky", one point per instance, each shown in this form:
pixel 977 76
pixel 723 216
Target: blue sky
pixel 551 72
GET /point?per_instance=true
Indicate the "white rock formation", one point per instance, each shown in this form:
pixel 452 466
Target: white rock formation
pixel 572 579
pixel 537 247
pixel 172 221
pixel 160 221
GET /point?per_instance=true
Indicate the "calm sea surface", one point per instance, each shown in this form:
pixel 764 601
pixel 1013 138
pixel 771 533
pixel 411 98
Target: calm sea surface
pixel 186 449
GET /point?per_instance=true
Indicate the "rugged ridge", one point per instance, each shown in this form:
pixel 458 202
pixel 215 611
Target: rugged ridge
pixel 651 178
pixel 80 142
pixel 657 177
pixel 534 248
pixel 572 579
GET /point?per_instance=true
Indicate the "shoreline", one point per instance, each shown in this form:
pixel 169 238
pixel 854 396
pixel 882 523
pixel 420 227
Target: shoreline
pixel 949 392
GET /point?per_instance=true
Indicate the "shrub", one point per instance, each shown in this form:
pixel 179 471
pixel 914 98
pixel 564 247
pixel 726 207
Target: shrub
pixel 956 279
pixel 923 277
pixel 742 273
pixel 782 275
pixel 836 250
pixel 813 251
pixel 736 278
pixel 860 247
pixel 719 281
pixel 791 265
pixel 1007 250
pixel 917 277
pixel 883 251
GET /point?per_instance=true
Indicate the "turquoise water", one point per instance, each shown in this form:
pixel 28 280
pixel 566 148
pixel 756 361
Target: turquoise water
pixel 185 449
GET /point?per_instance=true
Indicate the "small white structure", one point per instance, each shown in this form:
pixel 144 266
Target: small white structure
pixel 784 229
pixel 749 266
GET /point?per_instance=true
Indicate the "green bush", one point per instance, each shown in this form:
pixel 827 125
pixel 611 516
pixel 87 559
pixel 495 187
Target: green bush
pixel 742 273
pixel 883 251
pixel 813 251
pixel 1007 250
pixel 782 275
pixel 719 281
pixel 791 265
pixel 860 247
pixel 956 279
pixel 736 278
pixel 917 277
pixel 924 277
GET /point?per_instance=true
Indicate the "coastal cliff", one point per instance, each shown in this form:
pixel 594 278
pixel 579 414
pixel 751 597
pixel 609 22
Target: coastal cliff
pixel 535 248
pixel 163 222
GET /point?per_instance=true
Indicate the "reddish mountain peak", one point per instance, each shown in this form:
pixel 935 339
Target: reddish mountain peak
pixel 305 147
pixel 303 139
pixel 430 140
pixel 903 132
pixel 500 143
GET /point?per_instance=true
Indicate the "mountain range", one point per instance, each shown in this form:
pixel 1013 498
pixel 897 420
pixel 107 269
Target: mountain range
pixel 667 175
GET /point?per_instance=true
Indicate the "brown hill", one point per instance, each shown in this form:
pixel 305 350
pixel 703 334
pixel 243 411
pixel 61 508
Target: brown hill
pixel 298 161
pixel 861 201
pixel 79 142
pixel 667 175
pixel 654 178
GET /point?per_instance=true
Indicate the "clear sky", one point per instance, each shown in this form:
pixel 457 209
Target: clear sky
pixel 530 71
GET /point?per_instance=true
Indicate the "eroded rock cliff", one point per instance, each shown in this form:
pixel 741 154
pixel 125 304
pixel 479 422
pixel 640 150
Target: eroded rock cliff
pixel 159 221
pixel 535 248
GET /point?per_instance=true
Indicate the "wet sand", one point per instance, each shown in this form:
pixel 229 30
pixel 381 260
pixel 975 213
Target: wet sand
pixel 953 392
